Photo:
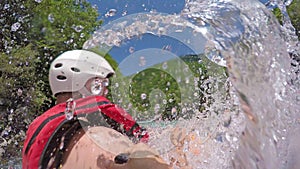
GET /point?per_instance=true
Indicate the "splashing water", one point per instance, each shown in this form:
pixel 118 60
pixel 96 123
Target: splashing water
pixel 250 127
pixel 111 13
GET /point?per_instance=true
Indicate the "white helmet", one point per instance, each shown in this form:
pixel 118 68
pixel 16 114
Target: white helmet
pixel 71 70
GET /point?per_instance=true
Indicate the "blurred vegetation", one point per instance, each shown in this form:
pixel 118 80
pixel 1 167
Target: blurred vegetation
pixel 154 93
pixel 278 15
pixel 33 34
pixel 293 11
pixel 294 14
pixel 54 30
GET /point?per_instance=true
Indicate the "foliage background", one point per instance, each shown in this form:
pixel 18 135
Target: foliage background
pixel 33 34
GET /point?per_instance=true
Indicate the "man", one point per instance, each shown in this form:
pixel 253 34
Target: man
pixel 79 80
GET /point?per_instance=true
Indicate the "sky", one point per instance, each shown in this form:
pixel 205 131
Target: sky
pixel 135 6
pixel 111 10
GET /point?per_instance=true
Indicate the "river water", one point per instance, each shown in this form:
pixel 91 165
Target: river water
pixel 253 120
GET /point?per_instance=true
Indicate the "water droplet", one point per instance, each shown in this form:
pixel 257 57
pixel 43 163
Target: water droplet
pixel 178 79
pixel 10 118
pixel 156 107
pixel 167 47
pixel 5 133
pixel 219 137
pixel 164 101
pixel 174 110
pixel 142 61
pixel 179 30
pixel 143 96
pixel 111 12
pixel 82 35
pixel 187 80
pixel 131 49
pixel 70 109
pixel 15 26
pixel 228 137
pixel 165 65
pixel 124 13
pixel 78 28
pixel 161 31
pixel 69 41
pixel 19 92
pixel 6 6
pixel 153 11
pixel 51 18
pixel 185 146
pixel 200 72
pixel 61 146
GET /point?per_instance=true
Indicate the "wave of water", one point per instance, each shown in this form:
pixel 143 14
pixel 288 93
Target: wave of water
pixel 259 66
pixel 263 105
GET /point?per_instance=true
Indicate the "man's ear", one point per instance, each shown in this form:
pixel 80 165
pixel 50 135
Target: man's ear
pixel 105 91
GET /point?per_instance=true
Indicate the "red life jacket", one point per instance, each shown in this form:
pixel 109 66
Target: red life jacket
pixel 46 131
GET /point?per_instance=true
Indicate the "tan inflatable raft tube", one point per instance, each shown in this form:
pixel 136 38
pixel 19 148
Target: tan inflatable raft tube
pixel 105 148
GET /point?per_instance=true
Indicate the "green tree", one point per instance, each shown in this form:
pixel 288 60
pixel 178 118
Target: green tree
pixel 164 89
pixel 294 13
pixel 14 24
pixel 58 26
pixel 278 15
pixel 19 94
pixel 33 33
